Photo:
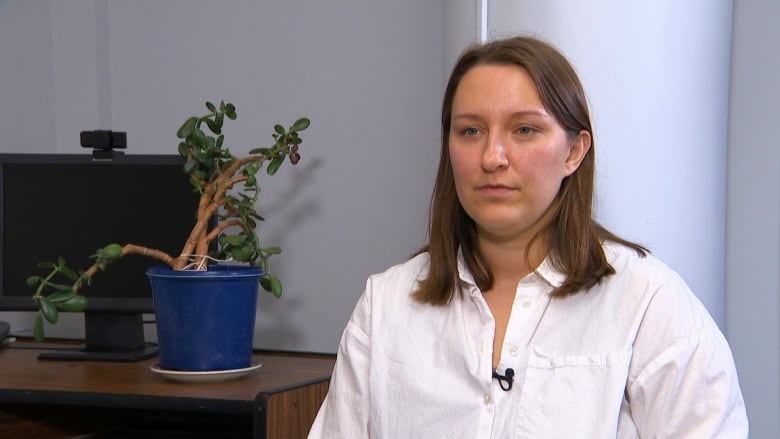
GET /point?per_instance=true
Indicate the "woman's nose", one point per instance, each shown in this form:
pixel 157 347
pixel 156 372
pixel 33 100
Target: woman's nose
pixel 494 156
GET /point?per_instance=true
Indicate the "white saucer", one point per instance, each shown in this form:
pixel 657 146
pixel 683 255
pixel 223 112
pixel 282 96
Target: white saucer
pixel 210 376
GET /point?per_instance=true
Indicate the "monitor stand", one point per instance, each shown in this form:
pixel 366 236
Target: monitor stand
pixel 110 336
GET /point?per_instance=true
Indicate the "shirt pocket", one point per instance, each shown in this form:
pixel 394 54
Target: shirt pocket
pixel 568 396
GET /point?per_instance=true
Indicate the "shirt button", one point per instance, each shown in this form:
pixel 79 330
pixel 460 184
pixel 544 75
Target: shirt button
pixel 525 301
pixel 513 350
pixel 487 399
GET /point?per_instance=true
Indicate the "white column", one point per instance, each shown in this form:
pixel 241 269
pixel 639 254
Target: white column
pixel 657 77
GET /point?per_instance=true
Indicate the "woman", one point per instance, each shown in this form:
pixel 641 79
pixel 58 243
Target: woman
pixel 523 317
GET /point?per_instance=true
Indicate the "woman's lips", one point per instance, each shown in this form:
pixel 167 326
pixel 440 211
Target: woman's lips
pixel 494 189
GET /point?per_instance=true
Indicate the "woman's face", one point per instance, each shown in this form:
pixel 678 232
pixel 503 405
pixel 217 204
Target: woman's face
pixel 508 154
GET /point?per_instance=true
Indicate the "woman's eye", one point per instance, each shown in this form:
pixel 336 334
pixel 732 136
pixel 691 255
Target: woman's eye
pixel 525 130
pixel 471 131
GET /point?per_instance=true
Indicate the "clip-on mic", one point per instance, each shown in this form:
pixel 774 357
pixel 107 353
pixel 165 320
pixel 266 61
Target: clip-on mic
pixel 506 380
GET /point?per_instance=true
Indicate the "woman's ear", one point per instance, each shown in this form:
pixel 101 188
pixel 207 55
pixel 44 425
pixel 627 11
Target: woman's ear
pixel 578 148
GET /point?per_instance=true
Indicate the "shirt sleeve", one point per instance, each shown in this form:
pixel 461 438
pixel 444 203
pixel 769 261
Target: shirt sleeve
pixel 687 387
pixel 345 411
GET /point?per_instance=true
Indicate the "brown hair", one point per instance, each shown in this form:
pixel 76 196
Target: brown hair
pixel 574 238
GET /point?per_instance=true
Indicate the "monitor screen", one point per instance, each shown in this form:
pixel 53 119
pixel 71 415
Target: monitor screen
pixel 69 205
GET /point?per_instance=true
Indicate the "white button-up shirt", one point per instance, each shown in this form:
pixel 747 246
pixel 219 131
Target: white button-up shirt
pixel 635 356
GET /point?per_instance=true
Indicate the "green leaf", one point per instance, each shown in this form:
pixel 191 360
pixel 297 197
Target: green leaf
pixel 276 285
pixel 274 165
pixel 61 296
pixel 77 303
pixel 279 129
pixel 187 127
pixel 191 166
pixel 220 139
pixel 274 250
pixel 38 328
pixel 301 124
pixel 48 310
pixel 240 254
pixel 198 137
pixel 211 107
pixel 70 274
pixel 235 239
pixel 58 287
pixel 214 126
pixel 33 280
pixel 265 283
pixel 112 251
pixel 184 149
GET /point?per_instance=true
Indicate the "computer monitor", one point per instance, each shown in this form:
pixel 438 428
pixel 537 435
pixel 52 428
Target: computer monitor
pixel 70 205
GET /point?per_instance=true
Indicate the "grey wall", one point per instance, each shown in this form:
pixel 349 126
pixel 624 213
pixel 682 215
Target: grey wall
pixel 753 219
pixel 368 74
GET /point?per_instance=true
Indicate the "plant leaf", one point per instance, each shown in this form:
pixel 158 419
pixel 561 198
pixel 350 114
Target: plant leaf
pixel 112 251
pixel 191 166
pixel 276 285
pixel 58 287
pixel 198 137
pixel 33 280
pixel 48 310
pixel 235 239
pixel 184 149
pixel 61 296
pixel 77 303
pixel 50 265
pixel 265 283
pixel 187 127
pixel 214 126
pixel 70 274
pixel 301 124
pixel 240 254
pixel 38 328
pixel 274 165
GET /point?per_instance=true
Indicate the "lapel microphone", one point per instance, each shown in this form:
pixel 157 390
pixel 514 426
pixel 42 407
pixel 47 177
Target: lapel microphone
pixel 506 380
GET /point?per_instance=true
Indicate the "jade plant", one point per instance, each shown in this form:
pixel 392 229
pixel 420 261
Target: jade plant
pixel 229 190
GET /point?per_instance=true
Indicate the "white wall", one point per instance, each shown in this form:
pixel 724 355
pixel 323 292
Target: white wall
pixel 753 232
pixel 657 78
pixel 368 74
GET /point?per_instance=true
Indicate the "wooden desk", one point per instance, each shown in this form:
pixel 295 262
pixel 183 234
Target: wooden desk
pixel 63 399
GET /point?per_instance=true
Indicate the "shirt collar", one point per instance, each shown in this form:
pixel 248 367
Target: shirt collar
pixel 546 271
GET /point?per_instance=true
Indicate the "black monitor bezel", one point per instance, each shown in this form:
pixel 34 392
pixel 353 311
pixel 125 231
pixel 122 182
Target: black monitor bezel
pixel 96 303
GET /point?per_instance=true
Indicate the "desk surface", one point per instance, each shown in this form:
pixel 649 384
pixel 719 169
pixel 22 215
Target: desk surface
pixel 26 379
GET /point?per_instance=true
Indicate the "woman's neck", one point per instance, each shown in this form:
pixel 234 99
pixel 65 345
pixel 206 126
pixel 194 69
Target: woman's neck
pixel 511 260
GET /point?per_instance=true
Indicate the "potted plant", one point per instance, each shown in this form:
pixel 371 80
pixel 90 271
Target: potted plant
pixel 229 190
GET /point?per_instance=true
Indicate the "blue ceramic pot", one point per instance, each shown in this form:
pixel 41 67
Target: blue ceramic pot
pixel 205 319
